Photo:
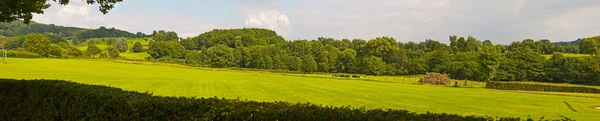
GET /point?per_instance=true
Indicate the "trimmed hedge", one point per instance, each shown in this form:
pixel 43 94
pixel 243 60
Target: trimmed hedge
pixel 62 100
pixel 21 54
pixel 540 87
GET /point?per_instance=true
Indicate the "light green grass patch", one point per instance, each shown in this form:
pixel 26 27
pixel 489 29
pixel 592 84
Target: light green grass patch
pixel 548 56
pixel 258 86
pixel 128 55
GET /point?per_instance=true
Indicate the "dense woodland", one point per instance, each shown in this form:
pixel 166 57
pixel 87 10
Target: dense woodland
pixel 464 58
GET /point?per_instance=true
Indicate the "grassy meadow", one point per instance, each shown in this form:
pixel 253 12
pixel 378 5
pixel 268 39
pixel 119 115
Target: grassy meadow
pixel 173 80
pixel 128 55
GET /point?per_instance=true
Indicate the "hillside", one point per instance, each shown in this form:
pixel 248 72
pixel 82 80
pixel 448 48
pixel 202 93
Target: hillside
pixel 17 28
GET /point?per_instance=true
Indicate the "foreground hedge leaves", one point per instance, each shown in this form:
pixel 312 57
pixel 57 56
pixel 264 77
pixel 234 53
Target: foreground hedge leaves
pixel 540 87
pixel 62 100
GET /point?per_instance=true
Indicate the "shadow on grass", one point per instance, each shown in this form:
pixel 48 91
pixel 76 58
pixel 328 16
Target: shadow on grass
pixel 569 105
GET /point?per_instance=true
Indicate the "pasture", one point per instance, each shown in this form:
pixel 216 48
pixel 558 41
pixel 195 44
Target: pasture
pixel 173 80
pixel 101 43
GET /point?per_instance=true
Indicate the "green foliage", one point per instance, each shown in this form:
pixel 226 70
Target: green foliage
pixel 193 58
pixel 540 87
pixel 137 47
pixel 13 42
pixel 309 64
pixel 56 51
pixel 55 38
pixel 161 35
pixel 247 37
pixel 24 9
pixel 74 52
pixel 590 45
pixel 92 50
pixel 164 49
pixel 103 55
pixel 121 45
pixel 21 54
pixel 103 32
pixel 374 66
pixel 113 52
pixel 488 59
pixel 219 56
pixel 22 99
pixel 37 43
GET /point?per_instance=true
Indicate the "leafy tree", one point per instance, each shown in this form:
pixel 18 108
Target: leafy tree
pixel 137 47
pixel 193 58
pixel 345 62
pixel 56 51
pixel 110 41
pixel 464 66
pixel 382 47
pixel 113 52
pixel 220 56
pixel 74 52
pixel 437 61
pixel 162 35
pixel 488 60
pixel 24 9
pixel 55 38
pixel 374 66
pixel 293 63
pixel 166 49
pixel 121 45
pixel 189 44
pixel 309 64
pixel 589 46
pixel 93 50
pixel 37 43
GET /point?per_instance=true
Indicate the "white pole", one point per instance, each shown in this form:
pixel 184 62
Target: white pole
pixel 4 53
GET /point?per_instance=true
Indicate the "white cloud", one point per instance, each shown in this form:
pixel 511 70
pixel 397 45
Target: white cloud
pixel 80 14
pixel 271 19
pixel 267 18
pixel 501 21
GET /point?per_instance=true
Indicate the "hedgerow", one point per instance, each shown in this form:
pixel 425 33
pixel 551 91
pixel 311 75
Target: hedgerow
pixel 22 54
pixel 62 100
pixel 540 87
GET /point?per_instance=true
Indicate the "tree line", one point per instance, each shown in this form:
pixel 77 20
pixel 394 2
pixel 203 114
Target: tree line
pixel 464 58
pixel 78 35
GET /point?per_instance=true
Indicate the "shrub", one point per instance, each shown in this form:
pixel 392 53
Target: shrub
pixel 436 79
pixel 113 52
pixel 21 54
pixel 137 47
pixel 540 87
pixel 62 100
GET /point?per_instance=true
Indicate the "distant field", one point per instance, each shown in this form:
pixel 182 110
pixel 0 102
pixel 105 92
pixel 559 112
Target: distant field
pixel 548 56
pixel 264 86
pixel 130 41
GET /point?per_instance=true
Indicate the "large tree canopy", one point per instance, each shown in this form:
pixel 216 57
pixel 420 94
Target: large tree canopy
pixel 12 10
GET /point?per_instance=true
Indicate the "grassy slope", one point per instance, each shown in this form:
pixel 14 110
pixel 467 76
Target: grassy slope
pixel 175 81
pixel 130 41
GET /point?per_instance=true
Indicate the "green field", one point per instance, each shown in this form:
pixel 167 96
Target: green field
pixel 548 56
pixel 128 55
pixel 168 80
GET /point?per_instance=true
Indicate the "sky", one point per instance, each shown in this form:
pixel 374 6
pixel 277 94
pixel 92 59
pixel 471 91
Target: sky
pixel 501 21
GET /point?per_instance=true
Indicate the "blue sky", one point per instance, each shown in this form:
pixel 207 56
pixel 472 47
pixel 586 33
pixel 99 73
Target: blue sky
pixel 501 21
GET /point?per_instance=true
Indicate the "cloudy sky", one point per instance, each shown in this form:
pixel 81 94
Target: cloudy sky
pixel 501 21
